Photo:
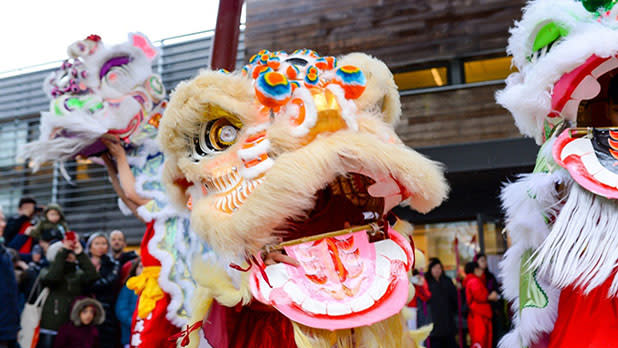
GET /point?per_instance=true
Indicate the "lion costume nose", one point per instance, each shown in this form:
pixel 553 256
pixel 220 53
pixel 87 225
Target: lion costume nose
pixel 329 118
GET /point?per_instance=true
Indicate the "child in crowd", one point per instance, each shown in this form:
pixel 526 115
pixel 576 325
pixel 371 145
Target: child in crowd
pixel 81 330
pixel 52 226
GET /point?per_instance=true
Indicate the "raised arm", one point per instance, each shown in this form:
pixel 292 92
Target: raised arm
pixel 127 180
pixel 114 175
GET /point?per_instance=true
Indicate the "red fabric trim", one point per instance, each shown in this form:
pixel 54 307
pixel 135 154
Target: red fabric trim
pixel 252 326
pixel 586 321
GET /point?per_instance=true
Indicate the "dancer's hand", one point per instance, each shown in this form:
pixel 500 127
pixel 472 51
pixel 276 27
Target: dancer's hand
pixel 78 248
pixel 278 257
pixel 114 147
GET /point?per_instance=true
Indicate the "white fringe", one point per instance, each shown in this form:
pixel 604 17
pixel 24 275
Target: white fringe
pixel 526 202
pixel 582 248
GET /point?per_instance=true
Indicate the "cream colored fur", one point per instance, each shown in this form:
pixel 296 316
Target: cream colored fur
pixel 213 283
pixel 290 185
pixel 389 333
pixel 381 93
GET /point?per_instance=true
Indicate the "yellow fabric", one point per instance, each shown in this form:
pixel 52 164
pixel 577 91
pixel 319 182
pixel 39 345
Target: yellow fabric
pixel 147 288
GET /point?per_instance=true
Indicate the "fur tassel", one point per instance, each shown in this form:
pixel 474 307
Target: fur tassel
pixel 389 333
pixel 201 302
pixel 221 287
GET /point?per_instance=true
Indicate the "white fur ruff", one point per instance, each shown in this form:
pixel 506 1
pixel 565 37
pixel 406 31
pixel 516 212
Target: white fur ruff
pixel 527 202
pixel 582 248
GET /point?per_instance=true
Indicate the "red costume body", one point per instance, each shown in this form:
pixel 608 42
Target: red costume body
pixel 155 330
pixel 586 321
pixel 479 317
pixel 252 326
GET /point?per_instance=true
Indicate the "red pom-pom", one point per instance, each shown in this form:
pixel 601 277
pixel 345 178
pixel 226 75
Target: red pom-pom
pixel 94 37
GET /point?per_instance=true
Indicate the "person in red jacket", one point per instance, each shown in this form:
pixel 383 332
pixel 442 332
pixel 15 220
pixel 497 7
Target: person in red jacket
pixel 479 315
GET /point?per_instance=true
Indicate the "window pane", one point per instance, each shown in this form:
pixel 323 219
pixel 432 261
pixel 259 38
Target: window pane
pixel 487 69
pixel 433 77
pixel 438 240
pixel 12 138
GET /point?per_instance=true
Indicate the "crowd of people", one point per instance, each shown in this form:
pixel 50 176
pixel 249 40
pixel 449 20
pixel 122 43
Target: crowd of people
pixel 465 312
pixel 87 302
pixel 90 305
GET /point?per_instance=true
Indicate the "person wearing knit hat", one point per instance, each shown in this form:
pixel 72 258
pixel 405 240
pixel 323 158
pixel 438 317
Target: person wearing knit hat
pixel 53 250
pixel 53 225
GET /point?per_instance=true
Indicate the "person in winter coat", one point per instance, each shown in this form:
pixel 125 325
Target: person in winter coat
pixel 105 288
pixel 18 224
pixel 442 304
pixel 480 313
pixel 52 226
pixel 68 276
pixel 9 313
pixel 81 330
pixel 20 268
pixel 32 272
pixel 126 303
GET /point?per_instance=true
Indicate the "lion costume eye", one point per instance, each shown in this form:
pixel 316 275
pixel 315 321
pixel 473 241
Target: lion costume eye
pixel 548 36
pixel 214 136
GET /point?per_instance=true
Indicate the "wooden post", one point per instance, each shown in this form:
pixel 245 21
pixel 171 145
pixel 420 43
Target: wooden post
pixel 225 42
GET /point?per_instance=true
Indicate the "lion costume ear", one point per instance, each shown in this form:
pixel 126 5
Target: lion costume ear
pixel 381 94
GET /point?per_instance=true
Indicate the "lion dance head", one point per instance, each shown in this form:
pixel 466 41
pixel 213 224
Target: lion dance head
pixel 100 90
pixel 293 146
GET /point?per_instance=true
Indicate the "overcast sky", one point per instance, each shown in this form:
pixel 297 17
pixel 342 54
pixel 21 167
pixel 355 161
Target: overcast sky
pixel 35 32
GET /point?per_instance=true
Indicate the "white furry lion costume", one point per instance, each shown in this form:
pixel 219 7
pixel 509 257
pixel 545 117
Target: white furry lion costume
pixel 563 218
pixel 294 146
pixel 111 91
